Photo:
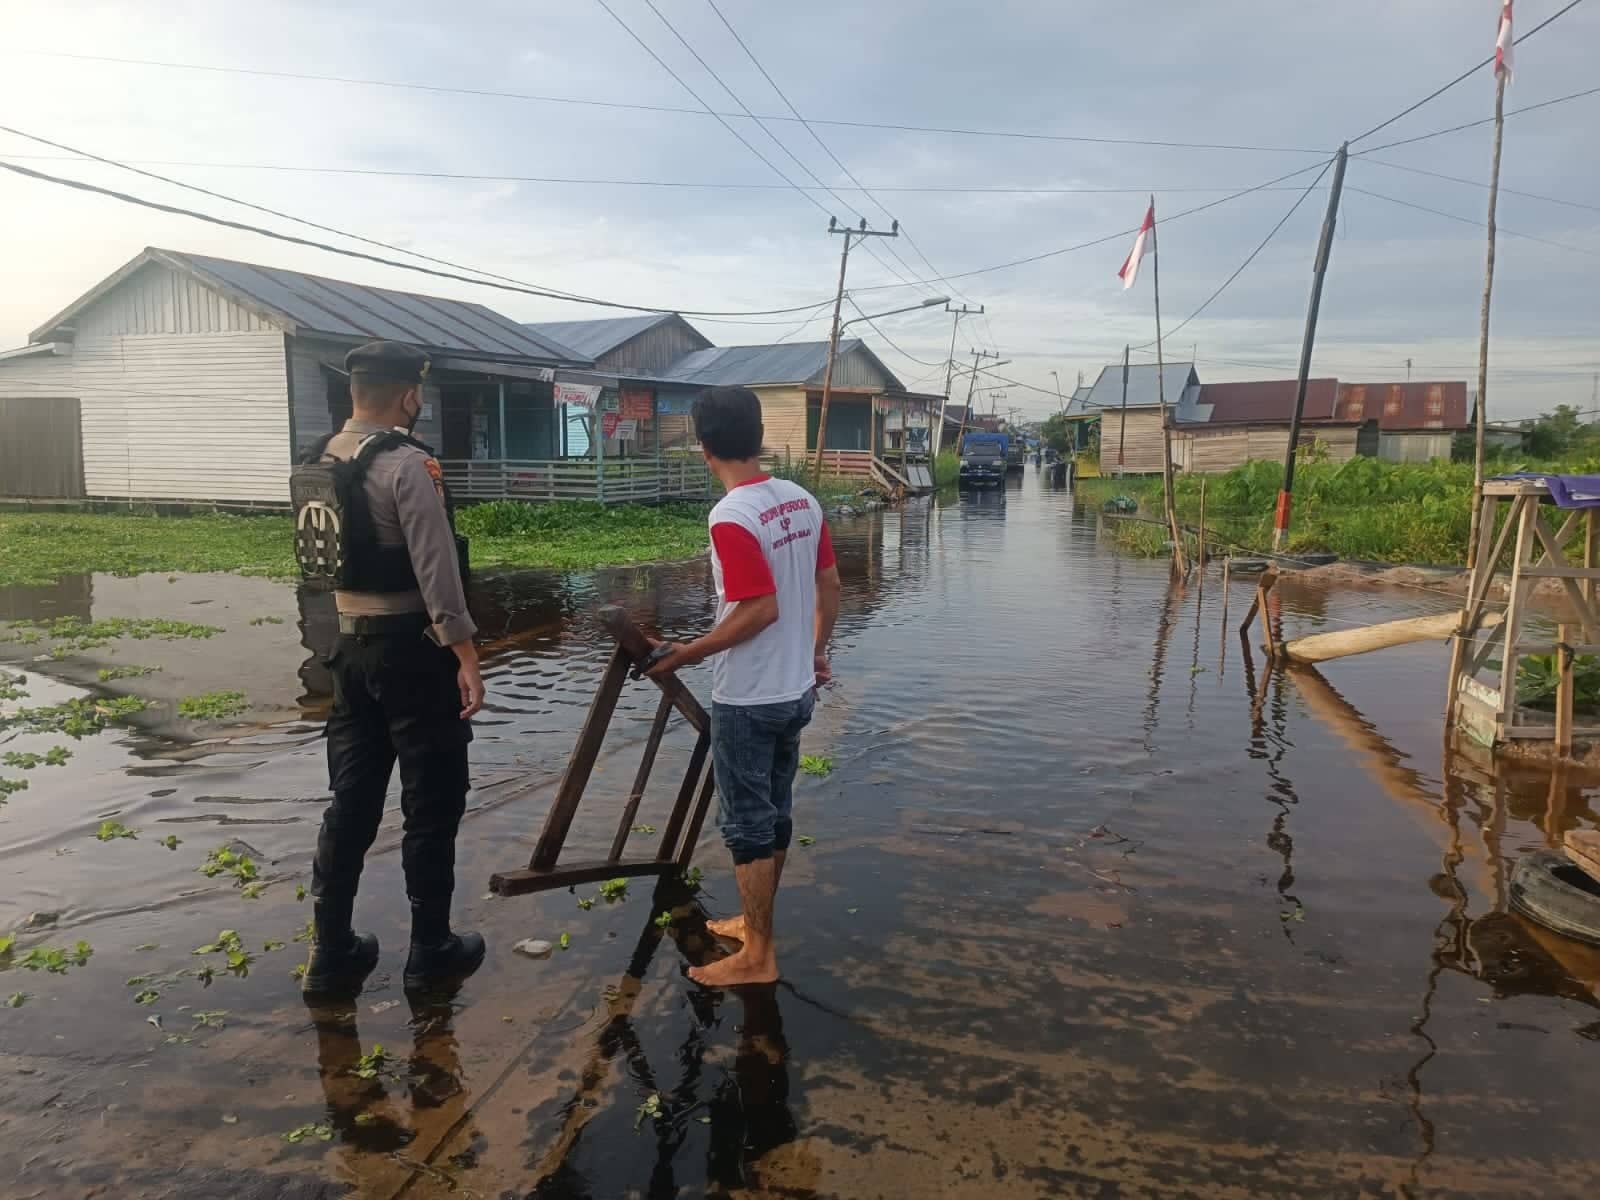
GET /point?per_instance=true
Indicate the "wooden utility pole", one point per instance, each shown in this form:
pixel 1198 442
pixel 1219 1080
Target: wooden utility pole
pixel 977 357
pixel 1483 323
pixel 1280 523
pixel 1173 529
pixel 937 442
pixel 833 335
pixel 1122 429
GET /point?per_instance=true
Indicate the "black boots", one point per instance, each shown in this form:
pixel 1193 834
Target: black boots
pixel 438 956
pixel 341 959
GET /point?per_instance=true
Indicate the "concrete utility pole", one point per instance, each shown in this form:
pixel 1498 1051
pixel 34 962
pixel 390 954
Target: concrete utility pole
pixel 1168 500
pixel 833 336
pixel 950 370
pixel 1122 429
pixel 1061 404
pixel 1483 330
pixel 1280 524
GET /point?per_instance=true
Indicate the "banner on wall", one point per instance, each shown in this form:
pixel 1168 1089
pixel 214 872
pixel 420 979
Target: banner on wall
pixel 638 403
pixel 580 395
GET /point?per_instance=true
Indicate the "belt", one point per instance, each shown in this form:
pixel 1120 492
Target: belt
pixel 386 623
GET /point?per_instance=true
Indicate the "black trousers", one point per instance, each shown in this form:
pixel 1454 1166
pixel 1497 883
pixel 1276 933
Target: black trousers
pixel 394 698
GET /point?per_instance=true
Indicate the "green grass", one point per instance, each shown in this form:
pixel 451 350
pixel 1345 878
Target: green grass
pixel 38 548
pixel 1361 509
pixel 213 706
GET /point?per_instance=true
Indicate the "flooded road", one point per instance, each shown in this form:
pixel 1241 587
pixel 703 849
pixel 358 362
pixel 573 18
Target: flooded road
pixel 1096 906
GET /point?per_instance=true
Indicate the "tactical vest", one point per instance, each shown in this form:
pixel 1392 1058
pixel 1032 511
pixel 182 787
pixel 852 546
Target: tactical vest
pixel 335 540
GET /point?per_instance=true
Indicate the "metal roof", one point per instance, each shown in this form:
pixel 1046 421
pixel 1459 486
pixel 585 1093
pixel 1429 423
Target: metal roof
pixel 752 366
pixel 1142 391
pixel 598 337
pixel 1268 401
pixel 1399 406
pixel 313 304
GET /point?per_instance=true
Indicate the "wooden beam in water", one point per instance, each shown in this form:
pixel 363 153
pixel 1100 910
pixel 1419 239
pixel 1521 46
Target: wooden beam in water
pixel 1320 647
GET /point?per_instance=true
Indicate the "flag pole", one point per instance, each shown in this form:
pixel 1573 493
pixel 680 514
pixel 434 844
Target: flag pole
pixel 1170 510
pixel 1483 327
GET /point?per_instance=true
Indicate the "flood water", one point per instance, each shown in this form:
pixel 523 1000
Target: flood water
pixel 1096 907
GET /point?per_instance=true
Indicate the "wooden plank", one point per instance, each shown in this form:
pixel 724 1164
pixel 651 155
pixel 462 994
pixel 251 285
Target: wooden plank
pixel 652 744
pixel 581 765
pixel 1591 551
pixel 1553 549
pixel 1263 586
pixel 1545 733
pixel 633 643
pixel 680 808
pixel 1523 513
pixel 520 883
pixel 1564 694
pixel 1583 848
pixel 1560 573
pixel 1344 642
pixel 696 822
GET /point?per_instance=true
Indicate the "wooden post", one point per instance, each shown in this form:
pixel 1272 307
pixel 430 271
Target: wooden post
pixel 1483 320
pixel 652 744
pixel 1524 511
pixel 1591 559
pixel 1564 692
pixel 1169 505
pixel 1268 578
pixel 1227 565
pixel 1200 550
pixel 1122 429
pixel 581 764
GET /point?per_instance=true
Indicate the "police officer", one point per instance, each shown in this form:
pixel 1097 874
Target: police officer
pixel 406 681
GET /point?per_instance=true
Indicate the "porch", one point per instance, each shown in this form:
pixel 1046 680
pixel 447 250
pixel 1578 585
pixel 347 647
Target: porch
pixel 668 476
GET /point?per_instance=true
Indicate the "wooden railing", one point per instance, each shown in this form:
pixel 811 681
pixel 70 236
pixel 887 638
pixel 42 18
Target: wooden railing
pixel 546 480
pixel 846 464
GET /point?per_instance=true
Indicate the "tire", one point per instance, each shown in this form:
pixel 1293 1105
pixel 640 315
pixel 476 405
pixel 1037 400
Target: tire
pixel 1550 889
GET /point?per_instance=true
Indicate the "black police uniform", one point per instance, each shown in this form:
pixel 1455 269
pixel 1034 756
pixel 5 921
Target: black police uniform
pixel 401 599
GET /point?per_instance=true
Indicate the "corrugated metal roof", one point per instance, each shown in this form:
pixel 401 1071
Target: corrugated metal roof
pixel 1142 391
pixel 753 366
pixel 594 338
pixel 314 304
pixel 1268 401
pixel 1396 406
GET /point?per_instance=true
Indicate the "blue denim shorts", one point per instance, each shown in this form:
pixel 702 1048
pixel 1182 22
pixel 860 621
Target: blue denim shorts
pixel 756 751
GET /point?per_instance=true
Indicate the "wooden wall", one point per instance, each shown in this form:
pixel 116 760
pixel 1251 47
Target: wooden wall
pixel 783 413
pixel 1222 448
pixel 1142 447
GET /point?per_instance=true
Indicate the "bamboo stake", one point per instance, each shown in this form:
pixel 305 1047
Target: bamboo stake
pixel 1483 326
pixel 1200 549
pixel 1169 506
pixel 1564 692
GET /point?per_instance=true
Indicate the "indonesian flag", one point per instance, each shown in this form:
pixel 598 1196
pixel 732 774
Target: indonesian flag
pixel 1502 44
pixel 1142 245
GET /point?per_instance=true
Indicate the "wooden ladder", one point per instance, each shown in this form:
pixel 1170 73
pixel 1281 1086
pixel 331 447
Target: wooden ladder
pixel 544 870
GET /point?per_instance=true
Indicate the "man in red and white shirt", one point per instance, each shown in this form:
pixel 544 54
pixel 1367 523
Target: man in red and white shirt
pixel 777 598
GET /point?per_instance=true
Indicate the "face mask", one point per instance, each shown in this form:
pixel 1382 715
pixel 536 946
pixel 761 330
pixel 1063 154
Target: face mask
pixel 415 415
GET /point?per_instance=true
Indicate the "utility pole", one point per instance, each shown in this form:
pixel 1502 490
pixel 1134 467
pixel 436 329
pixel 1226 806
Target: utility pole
pixel 1061 404
pixel 1280 525
pixel 950 370
pixel 833 336
pixel 977 357
pixel 1408 370
pixel 1168 500
pixel 1488 287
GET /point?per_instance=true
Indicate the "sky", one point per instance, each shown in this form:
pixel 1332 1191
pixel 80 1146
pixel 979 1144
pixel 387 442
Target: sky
pixel 1288 81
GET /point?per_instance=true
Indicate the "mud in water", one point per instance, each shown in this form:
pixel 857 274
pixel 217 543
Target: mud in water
pixel 1096 906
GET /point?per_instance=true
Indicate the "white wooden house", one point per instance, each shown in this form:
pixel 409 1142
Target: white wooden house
pixel 187 379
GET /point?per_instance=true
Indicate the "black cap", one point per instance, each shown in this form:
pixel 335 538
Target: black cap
pixel 388 360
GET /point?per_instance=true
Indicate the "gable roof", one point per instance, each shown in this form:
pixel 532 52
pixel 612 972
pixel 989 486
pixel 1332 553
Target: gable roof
pixel 599 337
pixel 1268 401
pixel 1106 391
pixel 314 304
pixel 1397 406
pixel 753 366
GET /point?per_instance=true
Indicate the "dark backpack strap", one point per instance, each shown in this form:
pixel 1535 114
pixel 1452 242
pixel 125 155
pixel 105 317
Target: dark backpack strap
pixel 318 449
pixel 373 446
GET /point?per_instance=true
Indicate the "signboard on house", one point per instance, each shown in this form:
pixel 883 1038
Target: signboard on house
pixel 580 395
pixel 609 423
pixel 638 403
pixel 627 430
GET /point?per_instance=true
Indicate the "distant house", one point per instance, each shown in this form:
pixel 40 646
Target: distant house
pixel 1237 422
pixel 186 378
pixel 189 379
pixel 636 350
pixel 1130 417
pixel 1416 421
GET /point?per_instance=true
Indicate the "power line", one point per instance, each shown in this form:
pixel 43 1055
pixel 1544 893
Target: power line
pixel 826 149
pixel 1480 184
pixel 1290 368
pixel 921 362
pixel 777 141
pixel 126 198
pixel 1439 212
pixel 1510 112
pixel 1111 237
pixel 356 81
pixel 710 185
pixel 1272 233
pixel 1437 92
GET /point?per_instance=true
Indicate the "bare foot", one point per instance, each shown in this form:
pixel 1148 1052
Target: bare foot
pixel 728 927
pixel 735 970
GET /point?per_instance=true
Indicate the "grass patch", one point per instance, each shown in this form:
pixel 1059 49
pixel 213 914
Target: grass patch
pixel 67 634
pixel 573 534
pixel 819 765
pixel 112 674
pixel 39 548
pixel 213 706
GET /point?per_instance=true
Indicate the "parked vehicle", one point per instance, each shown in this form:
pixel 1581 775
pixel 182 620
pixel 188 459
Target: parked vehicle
pixel 984 459
pixel 1016 454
